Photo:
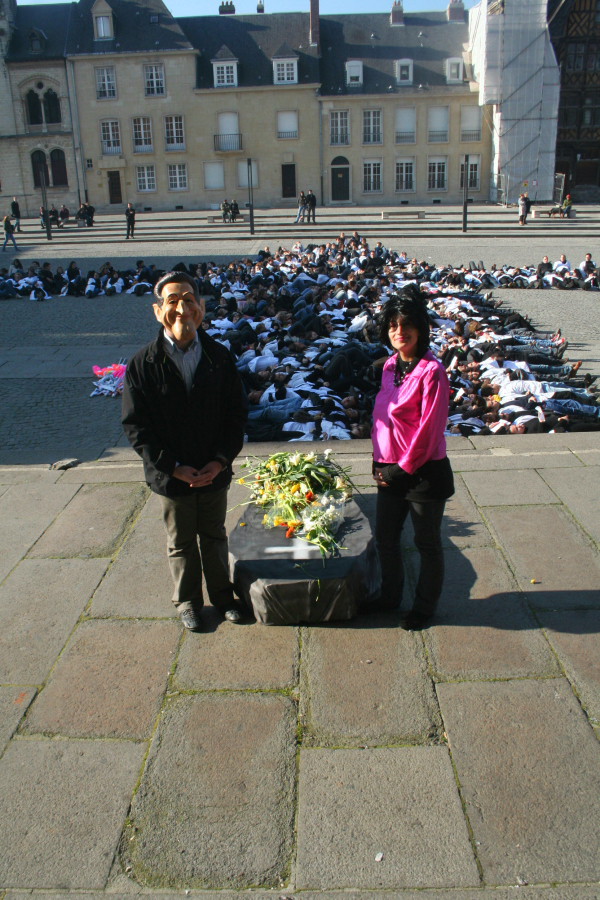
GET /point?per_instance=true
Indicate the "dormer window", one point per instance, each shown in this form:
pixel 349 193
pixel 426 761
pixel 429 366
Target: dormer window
pixel 404 71
pixel 225 69
pixel 285 71
pixel 36 45
pixel 103 28
pixel 454 71
pixel 354 73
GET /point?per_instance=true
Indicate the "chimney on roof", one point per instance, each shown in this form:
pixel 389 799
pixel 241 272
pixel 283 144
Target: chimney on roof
pixel 260 7
pixel 227 8
pixel 314 27
pixel 456 11
pixel 397 13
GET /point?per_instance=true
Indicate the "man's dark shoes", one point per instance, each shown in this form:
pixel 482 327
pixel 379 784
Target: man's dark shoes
pixel 416 621
pixel 191 620
pixel 232 615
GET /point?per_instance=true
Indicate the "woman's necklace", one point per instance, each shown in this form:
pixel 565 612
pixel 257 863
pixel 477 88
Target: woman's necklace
pixel 402 369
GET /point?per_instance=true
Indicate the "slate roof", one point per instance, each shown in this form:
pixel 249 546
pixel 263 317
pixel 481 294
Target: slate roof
pixel 133 30
pixel 50 21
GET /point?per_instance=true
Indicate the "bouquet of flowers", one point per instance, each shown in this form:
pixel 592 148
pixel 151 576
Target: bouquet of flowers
pixel 302 492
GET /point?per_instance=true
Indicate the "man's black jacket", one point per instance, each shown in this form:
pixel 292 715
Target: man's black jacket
pixel 169 427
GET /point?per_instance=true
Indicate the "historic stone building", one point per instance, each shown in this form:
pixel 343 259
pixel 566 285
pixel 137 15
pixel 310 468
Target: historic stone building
pixel 111 101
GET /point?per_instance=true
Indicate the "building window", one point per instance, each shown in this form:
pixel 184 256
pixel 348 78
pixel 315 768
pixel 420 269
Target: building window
pixel 51 106
pixel 454 71
pixel 103 28
pixel 473 180
pixel 154 80
pixel 437 176
pixel 575 58
pixel 285 71
pixel 225 74
pixel 35 42
pixel 597 14
pixel 404 71
pixel 372 133
pixel 437 124
pixel 590 117
pixel 470 123
pixel 106 83
pixel 39 168
pixel 34 108
pixel 111 137
pixel 242 173
pixel 406 125
pixel 339 123
pixel 287 125
pixel 354 73
pixel 178 180
pixel 146 178
pixel 58 167
pixel 405 175
pixel 593 58
pixel 89 163
pixel 142 135
pixel 214 176
pixel 372 176
pixel 174 134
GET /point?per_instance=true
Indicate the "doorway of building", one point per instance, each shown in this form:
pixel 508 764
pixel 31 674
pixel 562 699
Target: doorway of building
pixel 340 179
pixel 114 187
pixel 288 180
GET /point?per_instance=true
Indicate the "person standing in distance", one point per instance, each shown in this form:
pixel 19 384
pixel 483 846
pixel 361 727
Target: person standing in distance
pixel 184 412
pixel 130 220
pixel 410 466
pixel 15 211
pixel 311 205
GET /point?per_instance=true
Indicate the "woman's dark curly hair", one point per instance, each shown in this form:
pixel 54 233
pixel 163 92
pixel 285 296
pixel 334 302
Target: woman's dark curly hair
pixel 409 307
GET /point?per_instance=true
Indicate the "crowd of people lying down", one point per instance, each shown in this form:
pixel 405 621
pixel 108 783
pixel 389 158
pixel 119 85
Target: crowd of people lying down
pixel 302 324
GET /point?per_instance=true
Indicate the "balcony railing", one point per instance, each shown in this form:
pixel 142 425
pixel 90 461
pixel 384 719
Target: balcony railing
pixel 45 128
pixel 406 137
pixel 110 149
pixel 437 137
pixel 287 135
pixel 471 135
pixel 142 148
pixel 340 138
pixel 228 142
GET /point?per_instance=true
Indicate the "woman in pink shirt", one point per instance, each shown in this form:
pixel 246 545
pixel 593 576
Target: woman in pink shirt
pixel 410 465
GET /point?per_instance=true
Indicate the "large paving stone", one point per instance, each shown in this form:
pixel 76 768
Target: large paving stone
pixel 28 475
pixel 94 521
pixel 529 766
pixel 574 637
pixel 215 806
pixel 365 685
pixel 546 546
pixel 109 682
pixel 562 892
pixel 40 602
pixel 139 581
pixel 483 627
pixel 579 490
pixel 463 525
pixel 14 702
pixel 62 807
pixel 515 488
pixel 403 803
pixel 106 473
pixel 498 459
pixel 239 657
pixel 26 510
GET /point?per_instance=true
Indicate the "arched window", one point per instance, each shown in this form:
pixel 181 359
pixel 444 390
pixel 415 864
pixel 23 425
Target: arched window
pixel 34 109
pixel 51 107
pixel 58 167
pixel 39 166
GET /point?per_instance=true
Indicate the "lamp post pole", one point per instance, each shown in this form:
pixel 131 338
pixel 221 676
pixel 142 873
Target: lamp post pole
pixel 465 191
pixel 250 196
pixel 45 202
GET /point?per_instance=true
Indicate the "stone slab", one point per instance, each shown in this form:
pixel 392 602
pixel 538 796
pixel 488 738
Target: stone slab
pixel 28 475
pixel 94 522
pixel 106 473
pixel 402 802
pixel 514 488
pixel 495 461
pixel 574 637
pixel 109 682
pixel 365 685
pixel 14 702
pixel 139 581
pixel 483 627
pixel 40 602
pixel 529 766
pixel 235 657
pixel 589 457
pixel 215 806
pixel 119 454
pixel 519 443
pixel 546 546
pixel 26 510
pixel 520 892
pixel 462 525
pixel 62 807
pixel 579 490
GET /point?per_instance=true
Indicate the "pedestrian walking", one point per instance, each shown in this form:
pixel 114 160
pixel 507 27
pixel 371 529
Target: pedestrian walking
pixel 9 229
pixel 15 211
pixel 130 220
pixel 522 210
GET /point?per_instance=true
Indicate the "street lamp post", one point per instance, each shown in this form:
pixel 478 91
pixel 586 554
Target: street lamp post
pixel 250 196
pixel 465 191
pixel 42 174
